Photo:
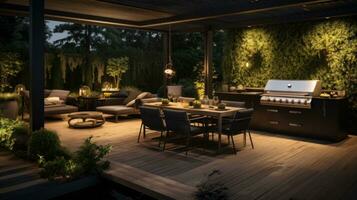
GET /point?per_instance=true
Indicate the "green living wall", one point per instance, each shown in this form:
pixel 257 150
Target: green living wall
pixel 324 50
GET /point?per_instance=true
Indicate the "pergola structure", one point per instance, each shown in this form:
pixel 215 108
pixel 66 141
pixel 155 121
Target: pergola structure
pixel 185 15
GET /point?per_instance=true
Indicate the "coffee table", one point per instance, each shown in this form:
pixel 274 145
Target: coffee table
pixel 86 119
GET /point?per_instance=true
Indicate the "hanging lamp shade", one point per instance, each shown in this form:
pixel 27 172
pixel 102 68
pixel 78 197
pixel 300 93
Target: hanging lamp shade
pixel 169 72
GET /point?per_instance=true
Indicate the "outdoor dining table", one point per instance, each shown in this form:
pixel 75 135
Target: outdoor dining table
pixel 213 112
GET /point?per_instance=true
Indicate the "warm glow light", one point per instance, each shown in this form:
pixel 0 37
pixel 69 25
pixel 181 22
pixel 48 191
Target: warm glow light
pixel 169 72
pixel 247 64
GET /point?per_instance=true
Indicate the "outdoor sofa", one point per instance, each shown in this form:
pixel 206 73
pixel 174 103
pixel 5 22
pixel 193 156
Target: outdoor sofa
pixel 56 102
pixel 129 107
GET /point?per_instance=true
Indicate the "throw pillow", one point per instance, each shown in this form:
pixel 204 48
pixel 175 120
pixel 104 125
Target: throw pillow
pixel 62 94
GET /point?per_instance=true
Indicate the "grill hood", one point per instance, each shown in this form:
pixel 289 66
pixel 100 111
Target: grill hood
pixel 300 87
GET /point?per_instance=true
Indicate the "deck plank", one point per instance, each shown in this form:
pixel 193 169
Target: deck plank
pixel 280 167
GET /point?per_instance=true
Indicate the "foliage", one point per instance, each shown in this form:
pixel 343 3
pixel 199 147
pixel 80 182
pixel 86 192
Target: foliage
pixel 60 167
pixel 8 97
pixel 21 136
pixel 10 65
pixel 209 189
pixel 44 143
pixel 116 67
pixel 188 88
pixel 87 160
pixel 90 155
pixel 200 87
pixel 324 50
pixel 81 39
pixel 10 130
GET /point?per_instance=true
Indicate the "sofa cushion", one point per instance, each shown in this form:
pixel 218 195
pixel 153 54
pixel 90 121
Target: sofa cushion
pixel 53 101
pixel 132 94
pixel 117 110
pixel 142 95
pixel 56 110
pixel 62 94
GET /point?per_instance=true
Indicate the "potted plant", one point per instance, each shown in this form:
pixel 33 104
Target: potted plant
pixel 116 68
pixel 9 107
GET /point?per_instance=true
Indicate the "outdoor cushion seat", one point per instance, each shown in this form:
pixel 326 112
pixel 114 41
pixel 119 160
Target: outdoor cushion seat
pixel 57 110
pixel 117 110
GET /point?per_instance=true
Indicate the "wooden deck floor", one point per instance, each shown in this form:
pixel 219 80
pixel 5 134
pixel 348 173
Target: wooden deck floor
pixel 279 167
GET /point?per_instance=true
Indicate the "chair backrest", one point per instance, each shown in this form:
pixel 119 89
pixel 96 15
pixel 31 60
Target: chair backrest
pixel 241 120
pixel 151 118
pixel 238 104
pixel 187 99
pixel 177 121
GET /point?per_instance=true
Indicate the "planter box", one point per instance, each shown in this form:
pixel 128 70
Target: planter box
pixel 9 109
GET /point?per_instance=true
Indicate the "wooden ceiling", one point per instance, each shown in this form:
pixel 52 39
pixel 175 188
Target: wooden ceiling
pixel 185 15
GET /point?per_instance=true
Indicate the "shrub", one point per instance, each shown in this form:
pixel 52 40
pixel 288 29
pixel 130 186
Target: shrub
pixel 87 160
pixel 7 128
pixel 90 155
pixel 8 97
pixel 44 143
pixel 21 136
pixel 58 168
pixel 209 189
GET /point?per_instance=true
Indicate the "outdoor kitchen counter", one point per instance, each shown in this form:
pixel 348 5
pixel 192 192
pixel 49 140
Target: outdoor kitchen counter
pixel 325 120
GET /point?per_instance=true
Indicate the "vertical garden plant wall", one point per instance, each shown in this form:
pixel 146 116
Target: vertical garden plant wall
pixel 324 50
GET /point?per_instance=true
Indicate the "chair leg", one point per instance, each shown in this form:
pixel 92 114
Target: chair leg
pixel 234 147
pixel 167 133
pixel 144 135
pixel 251 141
pixel 116 118
pixel 160 138
pixel 141 127
pixel 245 138
pixel 229 141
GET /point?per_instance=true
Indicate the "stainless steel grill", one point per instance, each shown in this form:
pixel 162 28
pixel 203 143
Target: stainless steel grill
pixel 290 93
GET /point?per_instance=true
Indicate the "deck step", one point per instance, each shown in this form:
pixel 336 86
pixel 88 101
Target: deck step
pixel 147 183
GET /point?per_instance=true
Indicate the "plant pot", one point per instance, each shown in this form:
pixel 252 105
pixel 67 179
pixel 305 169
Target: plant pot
pixel 9 109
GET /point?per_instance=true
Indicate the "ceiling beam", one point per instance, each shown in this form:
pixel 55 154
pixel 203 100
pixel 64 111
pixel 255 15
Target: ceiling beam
pixel 274 6
pixel 162 24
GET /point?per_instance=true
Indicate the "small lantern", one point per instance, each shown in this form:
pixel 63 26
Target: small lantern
pixel 19 88
pixel 84 91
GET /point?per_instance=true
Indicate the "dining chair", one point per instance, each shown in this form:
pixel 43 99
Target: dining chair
pixel 177 122
pixel 239 125
pixel 236 104
pixel 151 118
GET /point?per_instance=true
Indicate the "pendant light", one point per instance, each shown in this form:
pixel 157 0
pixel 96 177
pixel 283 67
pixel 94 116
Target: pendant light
pixel 169 72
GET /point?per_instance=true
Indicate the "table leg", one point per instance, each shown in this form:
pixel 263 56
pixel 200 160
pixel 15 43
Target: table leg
pixel 219 124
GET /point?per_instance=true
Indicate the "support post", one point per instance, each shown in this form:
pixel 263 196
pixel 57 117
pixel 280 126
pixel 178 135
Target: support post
pixel 207 62
pixel 166 52
pixel 37 40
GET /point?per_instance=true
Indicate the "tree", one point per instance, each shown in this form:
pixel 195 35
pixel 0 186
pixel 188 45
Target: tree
pixel 10 65
pixel 81 39
pixel 116 68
